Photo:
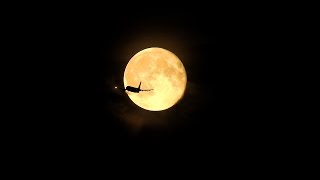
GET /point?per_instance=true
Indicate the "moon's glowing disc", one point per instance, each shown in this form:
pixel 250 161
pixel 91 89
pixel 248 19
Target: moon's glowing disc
pixel 157 69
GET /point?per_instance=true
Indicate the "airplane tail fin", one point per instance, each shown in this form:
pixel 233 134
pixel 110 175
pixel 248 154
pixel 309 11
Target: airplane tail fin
pixel 139 85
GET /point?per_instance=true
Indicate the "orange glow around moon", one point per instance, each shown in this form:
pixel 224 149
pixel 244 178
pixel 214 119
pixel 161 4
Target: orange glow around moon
pixel 157 69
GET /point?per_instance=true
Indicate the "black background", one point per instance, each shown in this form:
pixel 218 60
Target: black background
pixel 84 51
pixel 67 58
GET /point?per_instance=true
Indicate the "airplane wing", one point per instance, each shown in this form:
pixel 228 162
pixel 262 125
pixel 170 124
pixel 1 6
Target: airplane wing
pixel 146 89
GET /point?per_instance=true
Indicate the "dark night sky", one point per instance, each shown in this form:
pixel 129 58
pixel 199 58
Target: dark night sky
pixel 87 51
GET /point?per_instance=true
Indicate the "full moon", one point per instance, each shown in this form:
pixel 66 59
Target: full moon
pixel 157 69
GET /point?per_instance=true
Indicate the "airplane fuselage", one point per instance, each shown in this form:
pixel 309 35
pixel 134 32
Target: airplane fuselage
pixel 136 89
pixel 133 89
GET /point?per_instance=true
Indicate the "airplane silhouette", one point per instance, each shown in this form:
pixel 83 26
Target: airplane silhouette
pixel 134 89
